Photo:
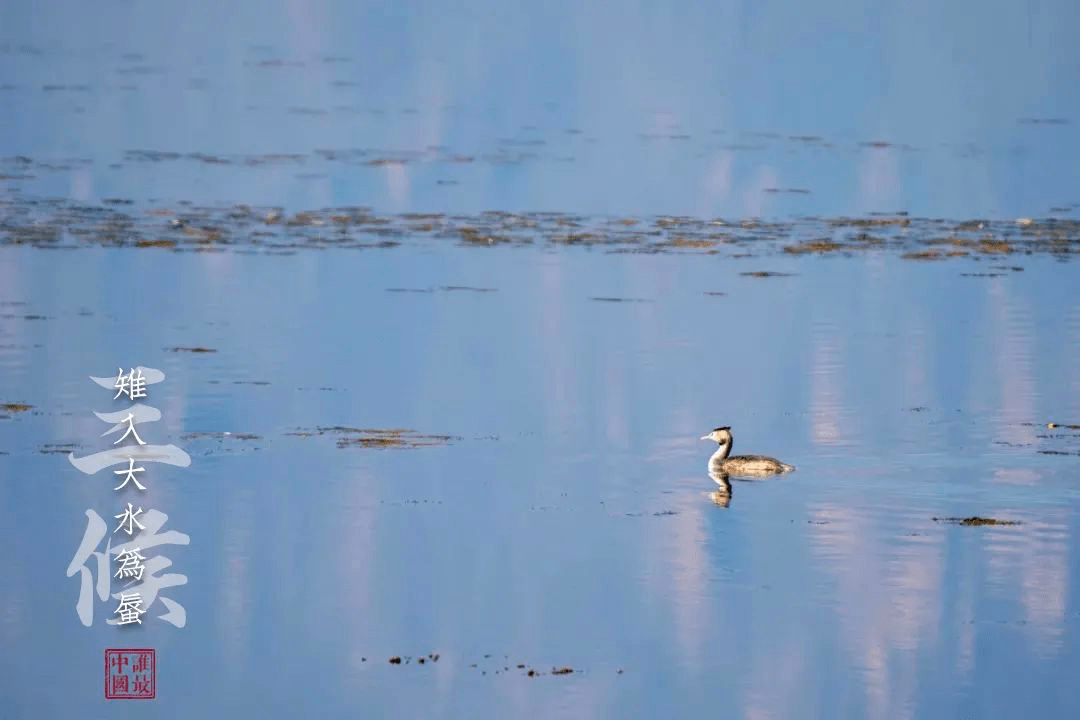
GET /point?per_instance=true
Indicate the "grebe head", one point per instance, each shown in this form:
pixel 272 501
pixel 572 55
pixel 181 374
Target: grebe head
pixel 721 435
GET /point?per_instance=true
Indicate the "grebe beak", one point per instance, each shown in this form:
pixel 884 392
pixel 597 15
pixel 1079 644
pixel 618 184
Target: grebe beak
pixel 706 437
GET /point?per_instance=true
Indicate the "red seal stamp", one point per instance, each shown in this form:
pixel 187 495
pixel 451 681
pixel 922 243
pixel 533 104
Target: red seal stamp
pixel 129 674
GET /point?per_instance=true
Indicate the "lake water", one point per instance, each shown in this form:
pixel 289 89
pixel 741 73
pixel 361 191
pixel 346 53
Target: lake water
pixel 556 245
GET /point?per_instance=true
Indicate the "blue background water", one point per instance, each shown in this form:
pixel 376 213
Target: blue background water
pixel 569 521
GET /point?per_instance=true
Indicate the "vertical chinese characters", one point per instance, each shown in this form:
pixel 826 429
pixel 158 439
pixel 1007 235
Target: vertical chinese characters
pixel 140 576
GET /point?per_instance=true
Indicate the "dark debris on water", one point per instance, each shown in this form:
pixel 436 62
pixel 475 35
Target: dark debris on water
pixel 975 520
pixel 496 666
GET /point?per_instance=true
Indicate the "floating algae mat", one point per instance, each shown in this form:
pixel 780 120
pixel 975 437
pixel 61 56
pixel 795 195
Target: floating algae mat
pixel 53 224
pixel 377 437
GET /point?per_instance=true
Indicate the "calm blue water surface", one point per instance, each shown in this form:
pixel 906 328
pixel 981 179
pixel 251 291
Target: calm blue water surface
pixel 961 109
pixel 569 520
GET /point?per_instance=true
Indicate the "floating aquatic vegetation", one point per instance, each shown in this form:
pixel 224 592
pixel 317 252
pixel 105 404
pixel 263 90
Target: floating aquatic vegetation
pixel 766 274
pixel 924 255
pixel 220 435
pixel 377 437
pixel 241 228
pixel 58 448
pixel 681 241
pixel 975 520
pixel 815 246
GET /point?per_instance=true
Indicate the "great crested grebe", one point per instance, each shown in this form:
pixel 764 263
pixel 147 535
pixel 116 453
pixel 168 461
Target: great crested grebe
pixel 744 465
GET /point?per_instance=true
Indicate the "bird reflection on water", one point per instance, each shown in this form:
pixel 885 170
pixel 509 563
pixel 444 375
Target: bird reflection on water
pixel 722 495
